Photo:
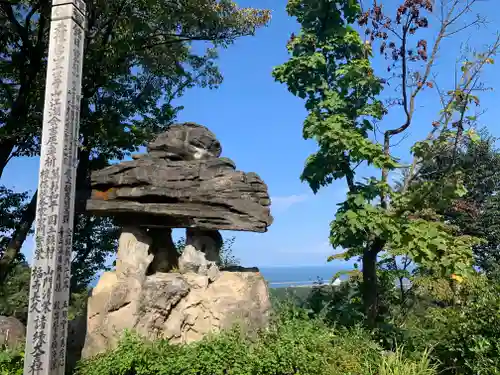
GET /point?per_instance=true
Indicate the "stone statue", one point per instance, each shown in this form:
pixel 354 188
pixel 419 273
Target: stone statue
pixel 181 182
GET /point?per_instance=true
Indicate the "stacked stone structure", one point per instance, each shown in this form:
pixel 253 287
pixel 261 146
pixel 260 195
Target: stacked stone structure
pixel 181 182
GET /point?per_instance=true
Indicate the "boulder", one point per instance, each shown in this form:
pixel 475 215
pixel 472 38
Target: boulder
pixel 195 261
pixel 209 242
pixel 12 332
pixel 187 141
pixel 179 307
pixel 182 182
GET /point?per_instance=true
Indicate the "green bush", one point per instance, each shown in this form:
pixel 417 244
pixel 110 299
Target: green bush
pixel 293 344
pixel 465 332
pixel 11 362
pixel 395 363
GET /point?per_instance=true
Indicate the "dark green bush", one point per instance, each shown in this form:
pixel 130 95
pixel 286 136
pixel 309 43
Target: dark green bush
pixel 293 344
pixel 11 362
pixel 465 334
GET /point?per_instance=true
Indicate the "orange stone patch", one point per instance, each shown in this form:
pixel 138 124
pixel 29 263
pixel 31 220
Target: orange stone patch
pixel 104 195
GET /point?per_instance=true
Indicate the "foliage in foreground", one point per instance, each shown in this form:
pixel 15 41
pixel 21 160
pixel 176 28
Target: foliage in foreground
pixel 11 362
pixel 463 331
pixel 293 344
pixel 450 330
pixel 453 326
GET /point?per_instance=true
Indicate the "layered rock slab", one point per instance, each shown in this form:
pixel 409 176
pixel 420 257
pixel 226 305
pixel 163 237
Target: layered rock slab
pixel 208 194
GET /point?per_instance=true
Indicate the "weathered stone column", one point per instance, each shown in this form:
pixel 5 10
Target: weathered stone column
pixel 207 241
pixel 45 351
pixel 163 249
pixel 133 257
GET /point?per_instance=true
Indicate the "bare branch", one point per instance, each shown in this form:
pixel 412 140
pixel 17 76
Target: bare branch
pixel 467 84
pixel 477 22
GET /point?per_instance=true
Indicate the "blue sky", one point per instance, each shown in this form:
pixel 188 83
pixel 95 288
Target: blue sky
pixel 260 127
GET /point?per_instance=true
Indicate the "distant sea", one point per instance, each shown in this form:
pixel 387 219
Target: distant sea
pixel 286 276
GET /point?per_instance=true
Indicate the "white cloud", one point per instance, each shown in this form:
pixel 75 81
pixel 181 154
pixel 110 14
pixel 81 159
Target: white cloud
pixel 285 202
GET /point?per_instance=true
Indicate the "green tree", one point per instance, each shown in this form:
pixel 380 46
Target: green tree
pixel 14 292
pixel 462 325
pixel 12 205
pixel 95 240
pixel 139 57
pixel 330 69
pixel 477 212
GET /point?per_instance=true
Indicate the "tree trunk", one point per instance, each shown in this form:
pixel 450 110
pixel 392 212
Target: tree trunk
pixel 16 242
pixel 370 297
pixel 370 282
pixel 82 181
pixel 6 148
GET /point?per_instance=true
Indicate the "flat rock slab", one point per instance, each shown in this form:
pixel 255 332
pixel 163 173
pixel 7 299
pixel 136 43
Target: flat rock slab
pixel 208 194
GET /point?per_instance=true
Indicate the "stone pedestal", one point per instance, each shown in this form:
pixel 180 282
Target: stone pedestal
pixel 179 307
pixel 166 257
pixel 145 295
pixel 133 256
pixel 208 242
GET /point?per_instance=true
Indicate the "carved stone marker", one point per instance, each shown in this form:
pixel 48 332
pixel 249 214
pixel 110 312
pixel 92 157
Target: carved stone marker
pixel 45 351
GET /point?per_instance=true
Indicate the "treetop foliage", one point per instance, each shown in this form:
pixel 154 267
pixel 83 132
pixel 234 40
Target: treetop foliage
pixel 138 58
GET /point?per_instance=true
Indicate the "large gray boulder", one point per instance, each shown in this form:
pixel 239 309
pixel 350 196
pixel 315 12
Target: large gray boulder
pixel 12 332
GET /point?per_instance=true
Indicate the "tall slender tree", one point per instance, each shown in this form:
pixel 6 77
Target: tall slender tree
pixel 330 68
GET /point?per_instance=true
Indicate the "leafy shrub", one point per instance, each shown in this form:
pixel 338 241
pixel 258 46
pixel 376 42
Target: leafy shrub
pixel 395 363
pixel 293 344
pixel 337 304
pixel 11 362
pixel 464 329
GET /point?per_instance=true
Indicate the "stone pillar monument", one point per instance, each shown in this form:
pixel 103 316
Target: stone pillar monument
pixel 50 278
